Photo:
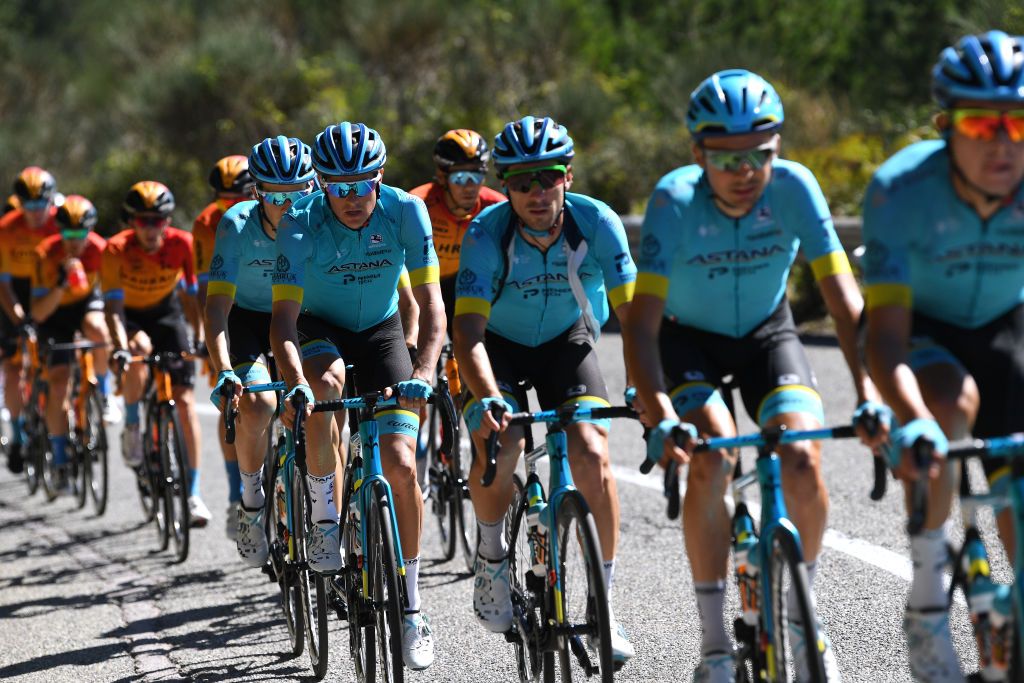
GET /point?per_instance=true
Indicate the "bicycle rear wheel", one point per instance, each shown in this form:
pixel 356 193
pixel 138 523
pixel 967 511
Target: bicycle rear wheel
pixel 282 556
pixel 789 573
pixel 175 483
pixel 94 447
pixel 384 589
pixel 312 589
pixel 583 628
pixel 443 496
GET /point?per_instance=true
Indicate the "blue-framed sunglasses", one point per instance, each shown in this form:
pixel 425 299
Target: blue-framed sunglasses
pixel 279 198
pixel 466 177
pixel 35 204
pixel 361 188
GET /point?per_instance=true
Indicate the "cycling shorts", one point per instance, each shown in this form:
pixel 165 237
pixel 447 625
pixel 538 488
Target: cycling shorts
pixel 63 323
pixel 22 287
pixel 768 365
pixel 249 344
pixel 379 354
pixel 167 330
pixel 448 297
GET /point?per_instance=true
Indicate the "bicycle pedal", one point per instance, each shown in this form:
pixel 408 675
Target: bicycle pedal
pixel 512 636
pixel 339 606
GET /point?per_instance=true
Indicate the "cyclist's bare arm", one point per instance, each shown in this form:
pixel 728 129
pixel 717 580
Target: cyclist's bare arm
pixel 432 325
pixel 845 304
pixel 640 339
pixel 114 309
pixel 218 306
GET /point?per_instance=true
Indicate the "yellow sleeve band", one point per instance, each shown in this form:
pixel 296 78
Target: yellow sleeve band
pixel 834 263
pixel 622 294
pixel 287 293
pixel 472 304
pixel 652 284
pixel 403 279
pixel 424 275
pixel 218 287
pixel 888 295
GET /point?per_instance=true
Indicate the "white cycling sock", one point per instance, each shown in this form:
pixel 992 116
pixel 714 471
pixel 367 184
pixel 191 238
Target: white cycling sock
pixel 321 497
pixel 493 545
pixel 711 608
pixel 929 553
pixel 791 604
pixel 252 489
pixel 412 583
pixel 609 575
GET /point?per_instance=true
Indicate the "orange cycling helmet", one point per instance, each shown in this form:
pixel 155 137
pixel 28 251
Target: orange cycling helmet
pixel 77 213
pixel 231 174
pixel 148 197
pixel 461 146
pixel 35 184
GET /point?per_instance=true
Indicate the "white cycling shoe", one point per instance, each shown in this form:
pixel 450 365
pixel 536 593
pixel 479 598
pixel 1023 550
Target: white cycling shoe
pixel 930 647
pixel 417 642
pixel 492 595
pixel 323 547
pixel 715 667
pixel 797 644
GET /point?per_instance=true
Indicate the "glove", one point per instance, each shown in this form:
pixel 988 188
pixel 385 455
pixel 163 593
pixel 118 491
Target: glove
pixel 414 388
pixel 880 411
pixel 475 413
pixel 224 376
pixel 121 357
pixel 300 389
pixel 629 395
pixel 908 434
pixel 656 437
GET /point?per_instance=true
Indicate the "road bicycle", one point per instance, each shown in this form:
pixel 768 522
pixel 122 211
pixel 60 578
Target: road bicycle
pixel 560 619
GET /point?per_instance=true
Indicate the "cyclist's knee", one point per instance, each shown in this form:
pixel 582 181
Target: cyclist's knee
pixel 258 406
pixel 709 472
pixel 94 327
pixel 328 385
pixel 398 459
pixel 800 465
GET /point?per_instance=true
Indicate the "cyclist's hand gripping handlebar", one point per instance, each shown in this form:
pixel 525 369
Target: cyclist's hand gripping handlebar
pixel 497 412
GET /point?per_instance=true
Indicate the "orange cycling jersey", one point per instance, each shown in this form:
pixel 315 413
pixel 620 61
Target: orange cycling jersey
pixel 50 254
pixel 18 242
pixel 141 279
pixel 447 227
pixel 204 230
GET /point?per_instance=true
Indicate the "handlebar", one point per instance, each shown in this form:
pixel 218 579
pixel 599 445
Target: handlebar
pixel 227 392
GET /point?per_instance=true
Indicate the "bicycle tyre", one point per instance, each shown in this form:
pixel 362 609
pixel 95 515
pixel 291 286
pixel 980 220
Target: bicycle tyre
pixel 785 561
pixel 384 588
pixel 176 485
pixel 312 589
pixel 95 453
pixel 361 629
pixel 469 533
pixel 442 488
pixel 282 561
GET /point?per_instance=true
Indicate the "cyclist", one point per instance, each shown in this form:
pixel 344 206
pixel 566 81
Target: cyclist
pixel 944 231
pixel 65 299
pixel 21 231
pixel 535 276
pixel 140 272
pixel 339 257
pixel 232 182
pixel 718 241
pixel 238 304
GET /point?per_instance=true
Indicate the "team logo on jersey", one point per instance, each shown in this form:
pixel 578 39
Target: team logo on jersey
pixel 764 214
pixel 217 263
pixel 283 265
pixel 467 277
pixel 376 238
pixel 650 247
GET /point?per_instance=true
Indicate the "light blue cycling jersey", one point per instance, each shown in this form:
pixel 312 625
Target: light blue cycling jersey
pixel 928 250
pixel 243 258
pixel 542 294
pixel 348 277
pixel 727 275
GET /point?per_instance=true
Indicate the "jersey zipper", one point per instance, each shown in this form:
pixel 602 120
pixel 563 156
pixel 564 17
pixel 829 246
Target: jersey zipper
pixel 977 269
pixel 540 326
pixel 736 277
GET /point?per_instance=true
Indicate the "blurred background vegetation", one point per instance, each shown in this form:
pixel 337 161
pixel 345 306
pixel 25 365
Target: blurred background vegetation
pixel 107 92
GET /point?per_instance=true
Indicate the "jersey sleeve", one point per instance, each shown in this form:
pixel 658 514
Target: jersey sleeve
pixel 203 246
pixel 659 238
pixel 811 219
pixel 479 263
pixel 612 251
pixel 188 265
pixel 110 273
pixel 417 238
pixel 403 279
pixel 886 253
pixel 225 260
pixel 293 245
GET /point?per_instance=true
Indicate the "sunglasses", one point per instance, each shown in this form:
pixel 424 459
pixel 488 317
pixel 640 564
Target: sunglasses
pixel 35 204
pixel 150 221
pixel 74 234
pixel 361 188
pixel 280 198
pixel 984 124
pixel 547 177
pixel 466 177
pixel 732 160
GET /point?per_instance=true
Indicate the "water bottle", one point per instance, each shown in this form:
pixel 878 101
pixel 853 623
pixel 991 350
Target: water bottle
pixel 280 500
pixel 354 515
pixel 536 531
pixel 451 371
pixel 1001 635
pixel 745 557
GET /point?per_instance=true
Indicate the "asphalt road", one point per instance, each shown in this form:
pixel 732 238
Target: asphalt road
pixel 85 599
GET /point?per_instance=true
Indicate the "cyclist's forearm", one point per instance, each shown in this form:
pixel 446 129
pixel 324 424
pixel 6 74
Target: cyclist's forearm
pixel 474 364
pixel 896 381
pixel 9 303
pixel 644 366
pixel 42 307
pixel 115 323
pixel 846 306
pixel 430 338
pixel 284 340
pixel 217 340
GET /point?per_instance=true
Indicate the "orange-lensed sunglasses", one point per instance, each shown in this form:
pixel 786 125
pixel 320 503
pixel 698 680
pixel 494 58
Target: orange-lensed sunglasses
pixel 984 124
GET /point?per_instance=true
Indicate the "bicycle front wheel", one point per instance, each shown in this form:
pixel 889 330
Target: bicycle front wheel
pixel 792 638
pixel 469 534
pixel 175 481
pixel 94 453
pixel 312 589
pixel 527 592
pixel 282 554
pixel 583 630
pixel 384 589
pixel 443 496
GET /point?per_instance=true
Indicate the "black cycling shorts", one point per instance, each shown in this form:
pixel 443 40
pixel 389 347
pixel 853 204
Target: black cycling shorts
pixel 768 364
pixel 248 336
pixel 167 329
pixel 993 355
pixel 448 297
pixel 379 353
pixel 561 370
pixel 63 323
pixel 22 287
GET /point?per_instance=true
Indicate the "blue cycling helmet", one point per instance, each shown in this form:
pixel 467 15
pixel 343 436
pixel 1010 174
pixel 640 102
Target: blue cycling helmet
pixel 282 161
pixel 348 149
pixel 733 102
pixel 529 140
pixel 989 67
